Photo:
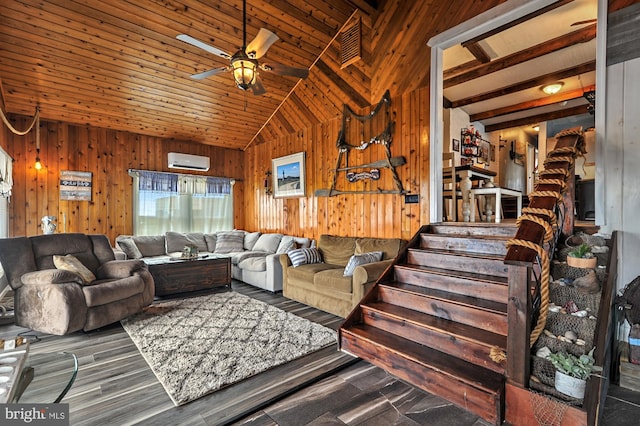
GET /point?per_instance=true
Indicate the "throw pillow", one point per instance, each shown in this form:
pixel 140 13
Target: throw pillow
pixel 361 259
pixel 268 243
pixel 250 239
pixel 304 256
pixel 229 241
pixel 129 248
pixel 72 264
pixel 287 243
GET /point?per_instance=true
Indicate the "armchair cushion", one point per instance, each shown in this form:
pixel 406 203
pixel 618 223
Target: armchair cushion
pixel 361 259
pixel 51 276
pixel 119 269
pixel 72 264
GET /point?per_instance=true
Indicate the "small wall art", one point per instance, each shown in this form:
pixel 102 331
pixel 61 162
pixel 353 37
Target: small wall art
pixel 75 186
pixel 455 145
pixel 289 176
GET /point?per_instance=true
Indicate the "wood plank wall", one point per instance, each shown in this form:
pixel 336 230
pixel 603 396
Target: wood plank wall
pixel 108 154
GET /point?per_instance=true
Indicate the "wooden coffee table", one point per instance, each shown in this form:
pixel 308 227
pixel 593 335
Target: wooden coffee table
pixel 180 276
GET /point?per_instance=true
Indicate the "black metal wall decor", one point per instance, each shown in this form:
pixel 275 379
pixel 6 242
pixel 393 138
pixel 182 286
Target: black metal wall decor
pixel 368 130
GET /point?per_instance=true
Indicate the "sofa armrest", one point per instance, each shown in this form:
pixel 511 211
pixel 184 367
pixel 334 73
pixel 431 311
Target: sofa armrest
pixel 51 276
pixel 364 276
pixel 115 269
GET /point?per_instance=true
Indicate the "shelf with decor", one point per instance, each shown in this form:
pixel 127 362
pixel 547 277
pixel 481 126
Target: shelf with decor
pixel 471 140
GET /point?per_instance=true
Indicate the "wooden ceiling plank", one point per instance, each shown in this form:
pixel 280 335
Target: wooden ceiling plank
pixel 517 22
pixel 538 81
pixel 523 106
pixel 478 70
pixel 539 118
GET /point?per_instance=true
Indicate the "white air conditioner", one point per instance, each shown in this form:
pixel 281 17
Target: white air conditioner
pixel 188 161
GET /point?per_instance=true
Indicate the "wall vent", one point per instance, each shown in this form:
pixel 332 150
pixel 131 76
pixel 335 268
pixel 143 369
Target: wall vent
pixel 351 44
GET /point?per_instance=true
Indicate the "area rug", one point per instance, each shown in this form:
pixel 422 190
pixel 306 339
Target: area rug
pixel 198 345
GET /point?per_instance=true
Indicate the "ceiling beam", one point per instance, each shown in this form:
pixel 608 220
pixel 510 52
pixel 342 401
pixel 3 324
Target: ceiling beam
pixel 478 52
pixel 523 106
pixel 534 119
pixel 471 70
pixel 516 22
pixel 527 84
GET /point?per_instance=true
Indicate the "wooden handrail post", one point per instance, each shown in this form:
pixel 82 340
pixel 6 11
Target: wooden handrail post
pixel 519 317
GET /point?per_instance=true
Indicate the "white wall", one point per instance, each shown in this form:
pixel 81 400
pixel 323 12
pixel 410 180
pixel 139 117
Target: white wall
pixel 620 169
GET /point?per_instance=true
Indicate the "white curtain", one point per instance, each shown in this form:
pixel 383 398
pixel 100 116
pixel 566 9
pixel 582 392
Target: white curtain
pixel 182 203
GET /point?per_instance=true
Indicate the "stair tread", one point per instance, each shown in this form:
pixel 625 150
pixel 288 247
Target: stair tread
pixel 486 305
pixel 458 274
pixel 457 368
pixel 467 332
pixel 461 253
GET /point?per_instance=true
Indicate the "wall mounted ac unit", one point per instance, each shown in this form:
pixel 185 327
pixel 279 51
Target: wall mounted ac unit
pixel 188 161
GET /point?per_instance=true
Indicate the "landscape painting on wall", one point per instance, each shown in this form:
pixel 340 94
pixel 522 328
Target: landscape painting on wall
pixel 289 176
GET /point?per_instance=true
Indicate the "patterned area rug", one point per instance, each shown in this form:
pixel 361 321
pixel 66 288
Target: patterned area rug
pixel 198 345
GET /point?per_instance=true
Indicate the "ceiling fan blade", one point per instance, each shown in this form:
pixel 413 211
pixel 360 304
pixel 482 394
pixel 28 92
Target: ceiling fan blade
pixel 204 46
pixel 280 69
pixel 259 45
pixel 257 88
pixel 209 73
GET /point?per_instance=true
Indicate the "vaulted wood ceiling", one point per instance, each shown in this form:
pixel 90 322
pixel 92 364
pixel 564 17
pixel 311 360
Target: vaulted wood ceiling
pixel 118 64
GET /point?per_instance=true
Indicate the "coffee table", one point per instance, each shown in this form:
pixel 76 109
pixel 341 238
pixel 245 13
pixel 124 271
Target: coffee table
pixel 173 275
pixel 46 377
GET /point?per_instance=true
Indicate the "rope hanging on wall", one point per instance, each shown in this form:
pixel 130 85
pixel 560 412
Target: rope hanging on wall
pixel 359 132
pixel 36 120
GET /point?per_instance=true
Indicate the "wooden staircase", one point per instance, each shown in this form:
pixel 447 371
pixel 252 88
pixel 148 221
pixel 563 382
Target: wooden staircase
pixel 436 316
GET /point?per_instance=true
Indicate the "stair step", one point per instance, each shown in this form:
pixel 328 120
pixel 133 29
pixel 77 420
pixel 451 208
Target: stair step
pixel 487 287
pixel 462 341
pixel 480 313
pixel 485 264
pixel 476 389
pixel 473 244
pixel 474 228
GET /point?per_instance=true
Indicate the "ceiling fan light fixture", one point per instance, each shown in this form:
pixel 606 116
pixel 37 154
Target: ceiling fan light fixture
pixel 245 71
pixel 553 88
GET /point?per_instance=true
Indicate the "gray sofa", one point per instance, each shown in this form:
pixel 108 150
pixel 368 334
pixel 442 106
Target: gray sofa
pixel 52 294
pixel 254 255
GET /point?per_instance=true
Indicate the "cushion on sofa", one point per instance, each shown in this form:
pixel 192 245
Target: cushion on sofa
pixel 150 245
pixel 337 250
pixel 333 279
pixel 304 256
pixel 307 272
pixel 109 291
pixel 361 259
pixel 229 241
pixel 287 243
pixel 210 239
pixel 268 243
pixel 177 241
pixel 250 239
pixel 129 247
pixel 388 246
pixel 254 264
pixel 72 264
pixel 51 276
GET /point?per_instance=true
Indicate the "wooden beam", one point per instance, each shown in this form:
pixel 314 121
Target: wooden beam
pixel 568 112
pixel 478 52
pixel 527 84
pixel 474 69
pixel 523 106
pixel 517 21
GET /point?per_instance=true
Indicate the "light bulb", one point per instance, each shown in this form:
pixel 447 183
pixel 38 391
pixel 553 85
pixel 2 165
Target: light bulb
pixel 38 164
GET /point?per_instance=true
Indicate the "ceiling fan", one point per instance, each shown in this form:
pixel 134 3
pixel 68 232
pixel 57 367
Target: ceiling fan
pixel 244 63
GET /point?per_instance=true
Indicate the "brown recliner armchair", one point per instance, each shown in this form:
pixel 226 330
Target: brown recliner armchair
pixel 59 301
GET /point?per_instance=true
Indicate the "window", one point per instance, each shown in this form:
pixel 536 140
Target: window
pixel 182 203
pixel 6 183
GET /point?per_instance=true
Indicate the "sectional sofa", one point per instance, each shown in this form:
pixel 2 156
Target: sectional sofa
pixel 254 255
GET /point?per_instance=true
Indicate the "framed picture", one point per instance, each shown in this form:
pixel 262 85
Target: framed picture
pixel 75 186
pixel 492 152
pixel 455 145
pixel 289 176
pixel 484 151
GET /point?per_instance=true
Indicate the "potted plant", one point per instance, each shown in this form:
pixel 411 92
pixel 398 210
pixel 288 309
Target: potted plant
pixel 581 257
pixel 572 372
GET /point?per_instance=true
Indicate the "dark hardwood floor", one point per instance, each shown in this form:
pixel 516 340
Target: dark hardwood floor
pixel 115 386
